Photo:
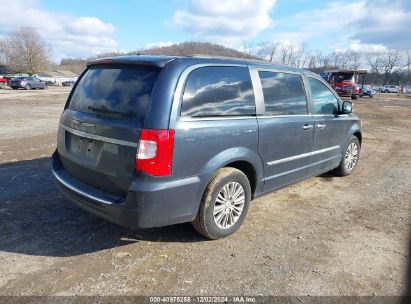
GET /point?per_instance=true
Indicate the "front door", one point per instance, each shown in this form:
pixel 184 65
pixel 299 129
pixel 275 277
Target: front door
pixel 330 128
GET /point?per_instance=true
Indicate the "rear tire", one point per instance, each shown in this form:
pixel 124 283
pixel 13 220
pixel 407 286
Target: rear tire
pixel 224 205
pixel 27 87
pixel 354 97
pixel 350 158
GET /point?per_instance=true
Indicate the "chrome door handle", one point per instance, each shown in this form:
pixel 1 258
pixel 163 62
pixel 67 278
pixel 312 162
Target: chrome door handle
pixel 307 127
pixel 321 126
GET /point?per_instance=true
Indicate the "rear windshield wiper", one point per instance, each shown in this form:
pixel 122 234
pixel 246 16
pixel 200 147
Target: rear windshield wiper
pixel 106 110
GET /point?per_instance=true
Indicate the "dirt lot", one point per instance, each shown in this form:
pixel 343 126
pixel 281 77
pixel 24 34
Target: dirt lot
pixel 325 236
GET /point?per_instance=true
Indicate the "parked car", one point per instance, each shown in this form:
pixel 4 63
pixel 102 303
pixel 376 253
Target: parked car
pixel 67 83
pixel 147 141
pixel 367 91
pixel 3 82
pixel 50 83
pixel 390 89
pixel 27 83
pixel 376 88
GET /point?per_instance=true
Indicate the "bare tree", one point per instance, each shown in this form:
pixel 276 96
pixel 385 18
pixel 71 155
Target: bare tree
pixel 25 51
pixel 272 51
pixel 322 61
pixel 301 56
pixel 2 51
pixel 385 64
pixel 355 60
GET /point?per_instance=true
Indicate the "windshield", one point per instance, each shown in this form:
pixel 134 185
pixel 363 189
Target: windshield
pixel 118 91
pixel 344 77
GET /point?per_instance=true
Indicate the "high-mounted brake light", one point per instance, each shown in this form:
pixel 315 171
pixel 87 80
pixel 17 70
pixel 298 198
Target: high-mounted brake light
pixel 155 152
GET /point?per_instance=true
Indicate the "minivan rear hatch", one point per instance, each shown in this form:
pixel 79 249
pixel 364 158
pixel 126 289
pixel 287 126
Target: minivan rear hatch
pixel 100 126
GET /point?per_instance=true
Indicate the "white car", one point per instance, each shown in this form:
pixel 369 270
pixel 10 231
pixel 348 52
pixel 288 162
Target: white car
pixel 390 89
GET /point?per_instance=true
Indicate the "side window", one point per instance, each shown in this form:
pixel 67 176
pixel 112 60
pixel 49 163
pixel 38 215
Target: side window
pixel 218 91
pixel 284 93
pixel 324 101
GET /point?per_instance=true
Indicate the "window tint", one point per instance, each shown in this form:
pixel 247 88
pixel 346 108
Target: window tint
pixel 283 93
pixel 218 91
pixel 324 101
pixel 117 91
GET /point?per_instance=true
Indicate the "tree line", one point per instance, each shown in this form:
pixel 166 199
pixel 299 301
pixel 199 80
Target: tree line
pixel 386 66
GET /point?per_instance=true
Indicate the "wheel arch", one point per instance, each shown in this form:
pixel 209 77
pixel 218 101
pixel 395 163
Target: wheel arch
pixel 358 134
pixel 249 170
pixel 241 158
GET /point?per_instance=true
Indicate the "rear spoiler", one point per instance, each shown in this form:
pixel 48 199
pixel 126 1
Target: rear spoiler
pixel 151 61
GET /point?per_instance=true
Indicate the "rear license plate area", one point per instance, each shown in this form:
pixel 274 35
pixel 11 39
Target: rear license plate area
pixel 82 145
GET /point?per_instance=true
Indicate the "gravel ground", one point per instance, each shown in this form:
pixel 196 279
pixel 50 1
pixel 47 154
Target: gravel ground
pixel 324 236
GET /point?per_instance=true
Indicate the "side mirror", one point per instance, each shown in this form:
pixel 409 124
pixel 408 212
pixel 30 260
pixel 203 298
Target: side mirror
pixel 346 107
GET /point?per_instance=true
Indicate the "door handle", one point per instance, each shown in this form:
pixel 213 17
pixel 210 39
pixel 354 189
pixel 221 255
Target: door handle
pixel 321 126
pixel 307 127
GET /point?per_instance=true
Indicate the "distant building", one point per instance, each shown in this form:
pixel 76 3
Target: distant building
pixel 58 76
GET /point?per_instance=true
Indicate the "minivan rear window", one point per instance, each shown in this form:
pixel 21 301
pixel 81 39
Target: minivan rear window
pixel 117 91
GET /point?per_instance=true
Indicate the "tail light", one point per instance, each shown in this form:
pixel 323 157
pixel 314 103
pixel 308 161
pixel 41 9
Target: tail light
pixel 155 152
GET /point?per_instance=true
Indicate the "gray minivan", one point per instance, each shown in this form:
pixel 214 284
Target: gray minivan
pixel 148 141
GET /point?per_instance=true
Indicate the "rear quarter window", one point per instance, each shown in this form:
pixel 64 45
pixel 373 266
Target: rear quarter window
pixel 114 90
pixel 218 91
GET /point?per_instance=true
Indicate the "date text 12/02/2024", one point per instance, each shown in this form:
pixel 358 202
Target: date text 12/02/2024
pixel 203 299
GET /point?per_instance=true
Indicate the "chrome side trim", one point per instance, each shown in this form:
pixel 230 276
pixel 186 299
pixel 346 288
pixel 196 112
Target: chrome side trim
pixel 276 70
pixel 287 159
pixel 216 118
pixel 285 116
pixel 74 189
pixel 301 168
pixel 98 137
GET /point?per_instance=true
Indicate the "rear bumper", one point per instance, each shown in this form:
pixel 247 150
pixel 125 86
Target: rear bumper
pixel 149 203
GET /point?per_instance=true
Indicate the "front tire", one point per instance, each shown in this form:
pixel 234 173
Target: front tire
pixel 27 87
pixel 224 205
pixel 350 158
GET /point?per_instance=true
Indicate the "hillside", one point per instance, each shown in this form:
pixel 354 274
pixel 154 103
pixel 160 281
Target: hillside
pixel 180 49
pixel 191 48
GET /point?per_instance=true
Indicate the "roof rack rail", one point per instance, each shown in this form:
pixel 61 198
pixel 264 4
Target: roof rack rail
pixel 227 57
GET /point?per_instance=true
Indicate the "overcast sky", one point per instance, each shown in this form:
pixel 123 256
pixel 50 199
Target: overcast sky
pixel 79 28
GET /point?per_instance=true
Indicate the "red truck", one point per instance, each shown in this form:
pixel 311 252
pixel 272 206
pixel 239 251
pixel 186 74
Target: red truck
pixel 3 82
pixel 346 82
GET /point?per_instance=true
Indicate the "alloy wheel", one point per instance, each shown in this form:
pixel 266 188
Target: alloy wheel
pixel 351 156
pixel 229 205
